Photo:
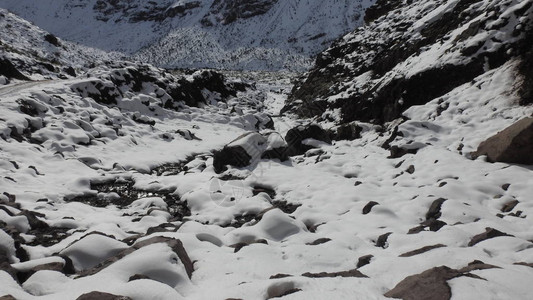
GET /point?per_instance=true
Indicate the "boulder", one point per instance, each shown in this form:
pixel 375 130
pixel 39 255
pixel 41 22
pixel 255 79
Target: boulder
pixel 512 145
pixel 430 284
pixel 348 131
pixel 297 136
pixel 233 155
pixel 433 283
pixel 175 244
pixel 8 70
pixel 248 149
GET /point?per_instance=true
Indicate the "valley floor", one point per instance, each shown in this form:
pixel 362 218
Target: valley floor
pixel 343 221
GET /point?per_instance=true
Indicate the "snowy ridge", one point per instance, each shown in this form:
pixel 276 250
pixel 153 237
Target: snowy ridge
pixel 40 55
pixel 267 35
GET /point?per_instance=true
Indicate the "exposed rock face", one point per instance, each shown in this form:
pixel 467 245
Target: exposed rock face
pixel 221 11
pixel 228 11
pixel 8 70
pixel 139 12
pixel 219 34
pixel 377 72
pixel 380 8
pixel 512 145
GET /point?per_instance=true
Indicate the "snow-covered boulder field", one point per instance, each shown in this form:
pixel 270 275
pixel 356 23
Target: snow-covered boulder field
pixel 126 181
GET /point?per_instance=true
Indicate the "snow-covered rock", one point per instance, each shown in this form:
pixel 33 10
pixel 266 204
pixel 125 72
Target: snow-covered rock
pixel 29 52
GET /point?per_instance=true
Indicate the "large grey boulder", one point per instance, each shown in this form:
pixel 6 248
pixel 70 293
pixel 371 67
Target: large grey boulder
pixel 512 145
pixel 248 149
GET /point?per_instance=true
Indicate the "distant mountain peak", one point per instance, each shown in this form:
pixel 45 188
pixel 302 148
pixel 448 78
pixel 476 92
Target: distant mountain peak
pixel 224 34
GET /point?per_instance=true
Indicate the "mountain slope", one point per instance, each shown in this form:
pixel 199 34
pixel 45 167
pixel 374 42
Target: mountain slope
pixel 230 34
pixel 412 53
pixel 28 52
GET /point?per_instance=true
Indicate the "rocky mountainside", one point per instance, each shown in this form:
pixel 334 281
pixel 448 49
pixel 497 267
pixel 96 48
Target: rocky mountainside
pixel 28 52
pixel 224 34
pixel 401 167
pixel 411 53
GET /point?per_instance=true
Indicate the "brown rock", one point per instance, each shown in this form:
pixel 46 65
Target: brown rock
pixel 422 250
pixel 350 273
pixel 524 264
pixel 509 206
pixel 477 265
pixel 174 244
pixel 431 285
pixel 364 260
pixel 55 266
pixel 488 234
pixel 319 241
pixel 278 276
pixel 101 296
pixel 512 145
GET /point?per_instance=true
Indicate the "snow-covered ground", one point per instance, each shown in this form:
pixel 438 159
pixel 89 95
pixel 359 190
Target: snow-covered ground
pixel 296 218
pixel 108 183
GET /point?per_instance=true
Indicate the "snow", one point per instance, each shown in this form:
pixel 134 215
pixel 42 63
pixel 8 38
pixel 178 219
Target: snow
pixel 287 36
pixel 249 224
pixel 324 189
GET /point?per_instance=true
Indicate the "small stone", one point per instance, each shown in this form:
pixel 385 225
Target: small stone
pixel 368 208
pixel 278 276
pixel 382 240
pixel 421 250
pixel 410 169
pixel 319 241
pixel 509 206
pixel 364 260
pixel 434 209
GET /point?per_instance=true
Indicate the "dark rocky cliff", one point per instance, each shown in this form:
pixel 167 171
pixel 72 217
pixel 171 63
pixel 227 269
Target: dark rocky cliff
pixel 411 52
